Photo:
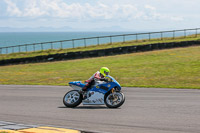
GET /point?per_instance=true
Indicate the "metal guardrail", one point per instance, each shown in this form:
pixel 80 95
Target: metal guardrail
pixel 124 38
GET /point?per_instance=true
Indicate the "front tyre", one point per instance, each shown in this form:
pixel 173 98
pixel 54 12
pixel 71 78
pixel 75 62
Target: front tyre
pixel 72 98
pixel 114 100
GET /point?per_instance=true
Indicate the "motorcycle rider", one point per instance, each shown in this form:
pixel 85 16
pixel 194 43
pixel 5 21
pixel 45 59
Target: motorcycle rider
pixel 99 75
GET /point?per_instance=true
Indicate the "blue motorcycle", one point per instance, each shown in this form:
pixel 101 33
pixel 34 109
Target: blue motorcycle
pixel 102 92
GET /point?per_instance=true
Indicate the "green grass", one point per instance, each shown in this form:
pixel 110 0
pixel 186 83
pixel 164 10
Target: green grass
pixel 172 68
pixel 95 47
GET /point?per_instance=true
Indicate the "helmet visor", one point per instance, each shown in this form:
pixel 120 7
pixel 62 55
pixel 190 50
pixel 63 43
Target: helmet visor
pixel 106 72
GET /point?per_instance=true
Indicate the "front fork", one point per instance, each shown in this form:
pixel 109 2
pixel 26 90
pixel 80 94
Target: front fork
pixel 112 90
pixel 113 94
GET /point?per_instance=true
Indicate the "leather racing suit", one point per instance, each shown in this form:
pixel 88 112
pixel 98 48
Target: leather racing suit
pixel 91 81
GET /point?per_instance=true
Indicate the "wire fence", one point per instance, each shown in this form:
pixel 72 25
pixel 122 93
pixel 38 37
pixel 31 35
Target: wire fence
pixel 84 42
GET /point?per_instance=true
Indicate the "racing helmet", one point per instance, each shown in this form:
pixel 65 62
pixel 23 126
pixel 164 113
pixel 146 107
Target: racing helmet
pixel 104 71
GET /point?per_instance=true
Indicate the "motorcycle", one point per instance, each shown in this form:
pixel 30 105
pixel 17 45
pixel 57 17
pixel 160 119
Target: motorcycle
pixel 102 92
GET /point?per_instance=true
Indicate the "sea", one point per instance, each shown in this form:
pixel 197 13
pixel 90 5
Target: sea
pixel 8 39
pixel 20 38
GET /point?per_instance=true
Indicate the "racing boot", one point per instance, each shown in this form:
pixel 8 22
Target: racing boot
pixel 84 95
pixel 84 92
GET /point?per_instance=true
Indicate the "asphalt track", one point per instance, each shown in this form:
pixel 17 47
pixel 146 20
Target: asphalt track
pixel 146 110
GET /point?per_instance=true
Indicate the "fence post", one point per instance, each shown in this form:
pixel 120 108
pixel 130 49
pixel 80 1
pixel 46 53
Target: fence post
pixel 73 43
pixel 61 45
pixel 19 49
pixel 110 39
pixel 136 37
pixel 184 33
pixel 34 47
pixel 98 40
pixel 161 35
pixel 84 42
pixel 26 48
pixel 42 46
pixel 174 34
pixel 6 50
pixel 149 36
pixel 124 38
pixel 196 32
pixel 51 45
pixel 12 49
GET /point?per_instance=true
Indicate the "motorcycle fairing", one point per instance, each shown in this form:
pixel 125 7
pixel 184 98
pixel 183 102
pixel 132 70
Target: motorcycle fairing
pixel 77 85
pixel 103 88
pixel 96 94
pixel 94 98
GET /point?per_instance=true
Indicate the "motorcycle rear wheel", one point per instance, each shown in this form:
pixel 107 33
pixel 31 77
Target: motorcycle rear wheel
pixel 72 98
pixel 114 100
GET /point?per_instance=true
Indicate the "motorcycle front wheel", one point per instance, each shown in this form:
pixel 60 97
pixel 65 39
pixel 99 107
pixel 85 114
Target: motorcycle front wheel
pixel 72 98
pixel 114 100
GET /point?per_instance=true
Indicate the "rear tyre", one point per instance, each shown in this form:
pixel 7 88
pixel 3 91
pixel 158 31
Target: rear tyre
pixel 114 100
pixel 72 98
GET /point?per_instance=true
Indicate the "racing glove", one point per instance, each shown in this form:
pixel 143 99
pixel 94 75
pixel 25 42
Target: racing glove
pixel 104 79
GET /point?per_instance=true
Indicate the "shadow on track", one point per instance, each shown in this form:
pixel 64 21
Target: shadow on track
pixel 89 107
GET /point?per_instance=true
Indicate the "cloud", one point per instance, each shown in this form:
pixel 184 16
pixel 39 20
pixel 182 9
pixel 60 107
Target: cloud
pixel 34 9
pixel 12 9
pixel 177 18
pixel 150 7
pixel 82 11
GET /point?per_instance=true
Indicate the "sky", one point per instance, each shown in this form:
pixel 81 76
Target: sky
pixel 89 15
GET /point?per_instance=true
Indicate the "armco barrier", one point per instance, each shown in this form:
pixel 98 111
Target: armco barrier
pixel 98 53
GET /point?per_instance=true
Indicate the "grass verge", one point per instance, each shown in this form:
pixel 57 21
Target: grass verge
pixel 171 68
pixel 95 47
